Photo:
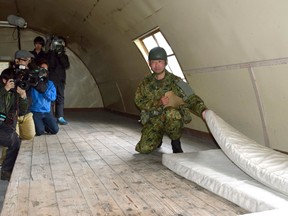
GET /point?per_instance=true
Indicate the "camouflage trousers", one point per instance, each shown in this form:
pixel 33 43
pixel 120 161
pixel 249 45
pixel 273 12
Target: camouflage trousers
pixel 169 122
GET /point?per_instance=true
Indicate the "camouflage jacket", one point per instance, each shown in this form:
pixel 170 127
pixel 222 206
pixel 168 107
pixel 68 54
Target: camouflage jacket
pixel 10 105
pixel 150 91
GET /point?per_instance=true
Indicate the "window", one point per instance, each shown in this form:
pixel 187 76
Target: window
pixel 153 39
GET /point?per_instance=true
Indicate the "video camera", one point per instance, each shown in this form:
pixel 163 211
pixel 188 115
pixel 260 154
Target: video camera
pixel 57 44
pixel 24 78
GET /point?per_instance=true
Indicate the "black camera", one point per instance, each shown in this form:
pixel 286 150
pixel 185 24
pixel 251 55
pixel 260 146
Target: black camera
pixel 38 75
pixel 24 78
pixel 21 77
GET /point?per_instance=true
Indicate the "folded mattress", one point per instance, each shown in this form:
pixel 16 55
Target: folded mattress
pixel 264 164
pixel 214 171
pixel 251 175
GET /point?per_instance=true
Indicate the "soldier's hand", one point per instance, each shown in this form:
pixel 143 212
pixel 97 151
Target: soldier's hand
pixel 203 113
pixel 164 100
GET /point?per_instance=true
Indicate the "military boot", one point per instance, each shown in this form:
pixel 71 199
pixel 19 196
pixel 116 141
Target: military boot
pixel 176 146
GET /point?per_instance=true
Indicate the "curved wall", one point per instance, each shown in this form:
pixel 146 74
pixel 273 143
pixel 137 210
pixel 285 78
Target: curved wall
pixel 81 89
pixel 207 37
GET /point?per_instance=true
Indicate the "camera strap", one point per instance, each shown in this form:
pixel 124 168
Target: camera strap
pixel 2 117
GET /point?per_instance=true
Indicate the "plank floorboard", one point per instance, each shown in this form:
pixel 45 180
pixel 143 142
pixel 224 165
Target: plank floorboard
pixel 17 196
pixel 42 196
pixel 91 168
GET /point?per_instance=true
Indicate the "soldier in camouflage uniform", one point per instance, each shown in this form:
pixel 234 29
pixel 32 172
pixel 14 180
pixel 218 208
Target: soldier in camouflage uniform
pixel 158 118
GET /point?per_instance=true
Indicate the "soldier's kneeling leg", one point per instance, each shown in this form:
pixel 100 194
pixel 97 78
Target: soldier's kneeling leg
pixel 152 134
pixel 173 124
pixel 173 127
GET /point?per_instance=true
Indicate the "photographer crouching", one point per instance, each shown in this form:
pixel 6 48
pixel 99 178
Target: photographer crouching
pixel 13 100
pixel 43 92
pixel 31 79
pixel 25 126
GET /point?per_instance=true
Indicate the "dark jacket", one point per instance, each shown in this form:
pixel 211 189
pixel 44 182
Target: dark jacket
pixel 11 104
pixel 38 56
pixel 58 63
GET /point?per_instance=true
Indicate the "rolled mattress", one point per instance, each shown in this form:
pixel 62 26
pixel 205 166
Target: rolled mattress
pixel 261 163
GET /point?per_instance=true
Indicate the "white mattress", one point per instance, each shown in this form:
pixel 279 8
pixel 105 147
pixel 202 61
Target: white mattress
pixel 263 164
pixel 274 212
pixel 214 171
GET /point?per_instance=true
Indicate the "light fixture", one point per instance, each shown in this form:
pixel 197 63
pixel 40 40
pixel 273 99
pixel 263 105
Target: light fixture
pixel 14 21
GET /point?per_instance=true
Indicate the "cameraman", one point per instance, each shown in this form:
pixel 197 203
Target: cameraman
pixel 11 102
pixel 43 93
pixel 58 63
pixel 26 125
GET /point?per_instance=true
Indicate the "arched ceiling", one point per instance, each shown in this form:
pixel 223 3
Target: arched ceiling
pixel 99 32
pixel 203 34
pixel 79 20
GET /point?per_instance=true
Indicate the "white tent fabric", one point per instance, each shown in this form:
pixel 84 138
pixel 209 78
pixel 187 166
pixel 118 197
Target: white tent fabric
pixel 250 183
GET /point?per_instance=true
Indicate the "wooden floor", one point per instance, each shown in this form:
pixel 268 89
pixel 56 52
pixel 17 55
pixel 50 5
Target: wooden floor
pixel 90 168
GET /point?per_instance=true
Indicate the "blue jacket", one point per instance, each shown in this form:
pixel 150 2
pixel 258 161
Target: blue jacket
pixel 41 102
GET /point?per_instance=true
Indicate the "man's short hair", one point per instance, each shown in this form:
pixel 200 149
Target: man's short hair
pixel 39 40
